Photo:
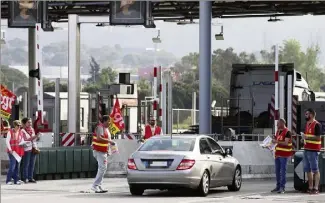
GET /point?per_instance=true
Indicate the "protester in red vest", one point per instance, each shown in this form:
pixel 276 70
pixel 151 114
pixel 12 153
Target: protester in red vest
pixel 15 152
pixel 283 150
pixel 312 147
pixel 152 129
pixel 4 127
pixel 30 149
pixel 100 144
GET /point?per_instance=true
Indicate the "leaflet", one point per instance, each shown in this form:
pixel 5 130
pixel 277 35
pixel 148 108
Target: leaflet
pixel 267 143
pixel 17 157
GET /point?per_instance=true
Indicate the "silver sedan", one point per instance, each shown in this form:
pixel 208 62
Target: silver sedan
pixel 182 161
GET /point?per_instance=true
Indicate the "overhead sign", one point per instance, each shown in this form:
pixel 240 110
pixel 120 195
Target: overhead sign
pixel 23 13
pixel 263 83
pixel 127 12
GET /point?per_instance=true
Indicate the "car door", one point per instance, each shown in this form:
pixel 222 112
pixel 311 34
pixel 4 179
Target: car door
pixel 212 162
pixel 226 167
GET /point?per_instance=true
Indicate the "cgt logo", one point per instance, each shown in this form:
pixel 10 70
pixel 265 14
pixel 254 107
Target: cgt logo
pixel 263 83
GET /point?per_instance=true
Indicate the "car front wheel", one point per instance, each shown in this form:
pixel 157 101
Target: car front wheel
pixel 237 180
pixel 136 191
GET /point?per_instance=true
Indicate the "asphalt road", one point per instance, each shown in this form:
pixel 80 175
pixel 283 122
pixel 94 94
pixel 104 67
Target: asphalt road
pixel 68 191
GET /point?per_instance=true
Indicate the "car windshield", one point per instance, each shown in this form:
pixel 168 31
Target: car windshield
pixel 168 145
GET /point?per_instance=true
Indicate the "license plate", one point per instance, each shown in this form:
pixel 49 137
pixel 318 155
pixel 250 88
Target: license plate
pixel 159 164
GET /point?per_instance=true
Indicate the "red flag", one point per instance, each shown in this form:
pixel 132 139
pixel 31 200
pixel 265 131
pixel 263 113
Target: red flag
pixel 117 121
pixel 7 99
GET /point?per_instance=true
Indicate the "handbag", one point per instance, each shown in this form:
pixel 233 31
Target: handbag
pixel 35 150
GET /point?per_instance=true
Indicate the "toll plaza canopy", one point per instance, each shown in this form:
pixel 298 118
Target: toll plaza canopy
pixel 187 10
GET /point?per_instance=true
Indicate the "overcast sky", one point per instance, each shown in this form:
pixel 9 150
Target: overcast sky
pixel 242 34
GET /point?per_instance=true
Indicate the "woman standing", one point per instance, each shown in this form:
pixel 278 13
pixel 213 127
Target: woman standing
pixel 15 152
pixel 30 149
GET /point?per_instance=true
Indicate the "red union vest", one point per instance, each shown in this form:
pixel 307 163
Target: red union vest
pixel 148 132
pixel 314 145
pixel 283 150
pixel 14 143
pixel 101 146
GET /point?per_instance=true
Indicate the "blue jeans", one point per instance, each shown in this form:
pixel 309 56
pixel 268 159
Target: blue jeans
pixel 310 161
pixel 280 172
pixel 28 164
pixel 13 169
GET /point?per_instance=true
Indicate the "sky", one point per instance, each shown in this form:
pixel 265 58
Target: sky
pixel 247 34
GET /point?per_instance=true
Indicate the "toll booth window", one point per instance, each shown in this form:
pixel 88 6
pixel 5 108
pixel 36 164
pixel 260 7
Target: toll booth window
pixel 298 76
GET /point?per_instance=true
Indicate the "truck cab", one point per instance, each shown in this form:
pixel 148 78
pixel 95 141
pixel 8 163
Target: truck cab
pixel 252 87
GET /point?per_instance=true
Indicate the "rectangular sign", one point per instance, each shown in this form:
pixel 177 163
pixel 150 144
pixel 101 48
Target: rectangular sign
pixel 23 13
pixel 127 12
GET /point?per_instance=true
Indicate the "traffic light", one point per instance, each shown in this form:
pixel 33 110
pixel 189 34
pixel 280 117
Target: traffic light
pixel 34 73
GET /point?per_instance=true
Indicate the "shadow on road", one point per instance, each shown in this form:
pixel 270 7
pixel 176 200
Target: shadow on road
pixel 155 194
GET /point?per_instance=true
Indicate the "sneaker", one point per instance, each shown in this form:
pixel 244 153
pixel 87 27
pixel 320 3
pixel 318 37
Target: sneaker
pixel 25 181
pixel 9 183
pixel 275 190
pixel 32 181
pixel 315 192
pixel 96 189
pixel 17 183
pixel 102 190
pixel 281 191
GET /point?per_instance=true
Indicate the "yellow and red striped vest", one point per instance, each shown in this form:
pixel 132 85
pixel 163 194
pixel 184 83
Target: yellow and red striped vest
pixel 283 150
pixel 101 146
pixel 314 145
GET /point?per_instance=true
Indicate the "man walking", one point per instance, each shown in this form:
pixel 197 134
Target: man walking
pixel 283 150
pixel 100 144
pixel 312 147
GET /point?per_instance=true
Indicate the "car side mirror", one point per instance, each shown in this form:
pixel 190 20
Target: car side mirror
pixel 216 152
pixel 228 151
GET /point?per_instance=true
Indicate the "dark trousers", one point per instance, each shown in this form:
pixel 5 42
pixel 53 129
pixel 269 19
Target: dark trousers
pixel 28 164
pixel 13 169
pixel 281 171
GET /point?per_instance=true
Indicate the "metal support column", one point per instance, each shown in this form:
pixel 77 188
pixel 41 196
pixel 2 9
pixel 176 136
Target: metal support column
pixel 74 77
pixel 281 97
pixel 205 67
pixel 57 113
pixel 194 108
pixel 164 102
pixel 159 95
pixel 31 66
pixel 170 104
pixel 289 102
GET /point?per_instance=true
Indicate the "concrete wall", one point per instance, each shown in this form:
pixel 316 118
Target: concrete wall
pixel 256 162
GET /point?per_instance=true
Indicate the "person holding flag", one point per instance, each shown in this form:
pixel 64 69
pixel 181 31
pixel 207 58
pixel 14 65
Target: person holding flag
pixel 152 129
pixel 100 144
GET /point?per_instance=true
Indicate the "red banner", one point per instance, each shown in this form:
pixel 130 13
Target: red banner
pixel 117 121
pixel 7 99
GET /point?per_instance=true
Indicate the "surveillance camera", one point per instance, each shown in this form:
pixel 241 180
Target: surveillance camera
pixel 156 40
pixel 219 36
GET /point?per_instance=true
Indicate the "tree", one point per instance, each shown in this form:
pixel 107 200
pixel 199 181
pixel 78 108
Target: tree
pixel 12 77
pixel 94 70
pixel 106 77
pixel 50 87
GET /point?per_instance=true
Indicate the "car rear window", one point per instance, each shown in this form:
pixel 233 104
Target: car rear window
pixel 168 145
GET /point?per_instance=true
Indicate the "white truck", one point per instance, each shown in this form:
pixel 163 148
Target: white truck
pixel 252 87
